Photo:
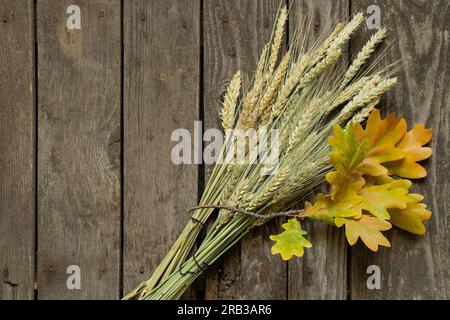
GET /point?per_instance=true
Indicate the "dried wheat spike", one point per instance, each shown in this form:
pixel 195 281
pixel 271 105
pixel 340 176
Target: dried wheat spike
pixel 371 92
pixel 364 54
pixel 230 101
pixel 271 92
pixel 276 43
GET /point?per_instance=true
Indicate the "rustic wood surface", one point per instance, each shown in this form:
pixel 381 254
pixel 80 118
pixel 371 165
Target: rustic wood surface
pixel 78 149
pixel 17 165
pixel 86 118
pixel 161 94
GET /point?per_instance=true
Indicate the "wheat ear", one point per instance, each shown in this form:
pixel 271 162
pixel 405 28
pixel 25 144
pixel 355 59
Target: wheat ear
pixel 248 115
pixel 290 84
pixel 364 112
pixel 319 68
pixel 273 88
pixel 303 124
pixel 367 95
pixel 320 52
pixel 261 65
pixel 230 100
pixel 295 180
pixel 268 191
pixel 349 92
pixel 230 185
pixel 276 43
pixel 343 36
pixel 364 54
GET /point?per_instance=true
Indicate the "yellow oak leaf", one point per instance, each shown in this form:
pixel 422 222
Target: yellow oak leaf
pixel 377 199
pixel 382 135
pixel 394 183
pixel 344 201
pixel 344 185
pixel 413 214
pixel 412 146
pixel 367 228
pixel 325 208
pixel 291 241
pixel 412 217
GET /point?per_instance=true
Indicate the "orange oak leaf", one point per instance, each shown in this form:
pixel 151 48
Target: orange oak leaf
pixel 412 217
pixel 412 146
pixel 367 228
pixel 382 135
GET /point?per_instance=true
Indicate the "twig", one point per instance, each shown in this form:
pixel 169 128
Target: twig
pixel 233 210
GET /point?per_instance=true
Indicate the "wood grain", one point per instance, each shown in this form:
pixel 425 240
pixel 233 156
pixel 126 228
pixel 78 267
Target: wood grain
pixel 78 146
pixel 234 34
pixel 79 149
pixel 416 267
pixel 161 74
pixel 17 156
pixel 322 272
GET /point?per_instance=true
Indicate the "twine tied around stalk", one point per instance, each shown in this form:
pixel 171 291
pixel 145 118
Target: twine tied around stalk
pixel 200 268
pixel 233 211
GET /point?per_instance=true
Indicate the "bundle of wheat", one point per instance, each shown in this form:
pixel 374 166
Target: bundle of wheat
pixel 300 96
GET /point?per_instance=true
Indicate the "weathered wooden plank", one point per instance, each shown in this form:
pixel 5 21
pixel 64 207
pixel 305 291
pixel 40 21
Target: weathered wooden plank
pixel 416 267
pixel 322 272
pixel 161 74
pixel 79 149
pixel 17 136
pixel 234 34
